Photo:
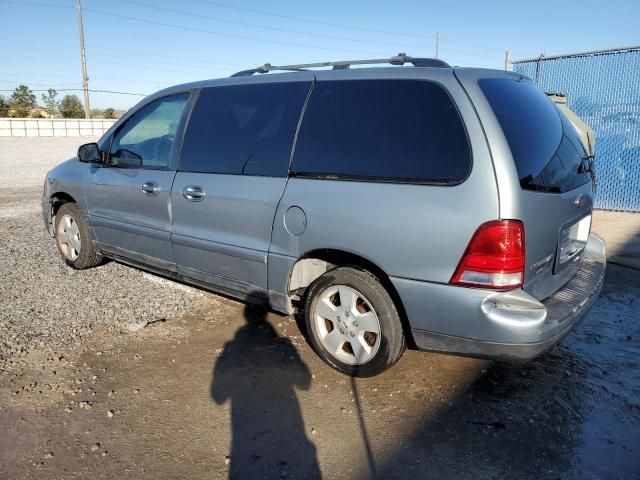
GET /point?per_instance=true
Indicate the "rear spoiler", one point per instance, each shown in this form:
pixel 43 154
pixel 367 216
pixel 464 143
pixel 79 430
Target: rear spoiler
pixel 587 135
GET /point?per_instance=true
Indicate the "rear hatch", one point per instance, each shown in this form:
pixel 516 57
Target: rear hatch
pixel 544 176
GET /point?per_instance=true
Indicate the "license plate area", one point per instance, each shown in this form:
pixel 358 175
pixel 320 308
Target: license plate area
pixel 571 242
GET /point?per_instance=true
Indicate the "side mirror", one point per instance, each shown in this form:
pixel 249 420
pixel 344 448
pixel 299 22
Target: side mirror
pixel 89 153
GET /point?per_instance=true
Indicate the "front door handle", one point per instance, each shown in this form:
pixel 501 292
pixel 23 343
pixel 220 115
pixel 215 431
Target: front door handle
pixel 193 193
pixel 150 188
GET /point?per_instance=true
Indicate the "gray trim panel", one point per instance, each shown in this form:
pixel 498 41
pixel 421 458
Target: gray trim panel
pixel 221 248
pixel 154 233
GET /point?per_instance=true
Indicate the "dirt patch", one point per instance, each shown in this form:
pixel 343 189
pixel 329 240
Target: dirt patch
pixel 234 392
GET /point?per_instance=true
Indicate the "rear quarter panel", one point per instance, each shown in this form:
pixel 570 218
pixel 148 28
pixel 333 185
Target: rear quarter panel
pixel 543 214
pixel 409 231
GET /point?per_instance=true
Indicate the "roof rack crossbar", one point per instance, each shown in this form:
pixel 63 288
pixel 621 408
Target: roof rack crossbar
pixel 399 59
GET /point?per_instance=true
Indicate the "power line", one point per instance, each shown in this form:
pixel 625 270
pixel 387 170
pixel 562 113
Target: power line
pixel 139 52
pixel 318 22
pixel 271 14
pixel 264 27
pixel 37 4
pixel 72 76
pixel 473 45
pixel 341 25
pixel 470 54
pixel 99 54
pixel 230 35
pixel 9 74
pixel 44 84
pixel 80 89
pixel 185 28
pixel 103 62
pixel 171 57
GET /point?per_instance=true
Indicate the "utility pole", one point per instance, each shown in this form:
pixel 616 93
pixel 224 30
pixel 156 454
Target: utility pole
pixel 507 60
pixel 437 43
pixel 83 58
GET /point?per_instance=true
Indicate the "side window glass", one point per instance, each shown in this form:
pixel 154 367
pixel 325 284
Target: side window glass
pixel 146 139
pixel 382 130
pixel 243 129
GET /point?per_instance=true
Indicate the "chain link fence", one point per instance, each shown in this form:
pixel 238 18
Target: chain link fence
pixel 603 88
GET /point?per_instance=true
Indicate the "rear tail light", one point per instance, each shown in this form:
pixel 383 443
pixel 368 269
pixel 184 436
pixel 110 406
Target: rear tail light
pixel 494 257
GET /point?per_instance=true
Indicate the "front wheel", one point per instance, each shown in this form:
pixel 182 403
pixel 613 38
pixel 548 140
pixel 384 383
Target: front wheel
pixel 352 322
pixel 74 239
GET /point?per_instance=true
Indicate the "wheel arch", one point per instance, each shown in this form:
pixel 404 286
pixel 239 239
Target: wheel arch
pixel 311 265
pixel 55 201
pixel 58 199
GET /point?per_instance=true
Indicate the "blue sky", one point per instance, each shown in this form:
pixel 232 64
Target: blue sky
pixel 177 41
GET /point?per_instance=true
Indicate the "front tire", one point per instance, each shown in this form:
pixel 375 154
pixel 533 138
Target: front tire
pixel 73 238
pixel 353 323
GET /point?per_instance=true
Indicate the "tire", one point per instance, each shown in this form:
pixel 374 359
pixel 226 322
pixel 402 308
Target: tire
pixel 73 238
pixel 343 309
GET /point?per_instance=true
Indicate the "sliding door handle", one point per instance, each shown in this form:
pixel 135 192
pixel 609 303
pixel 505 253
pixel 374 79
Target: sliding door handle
pixel 150 188
pixel 193 193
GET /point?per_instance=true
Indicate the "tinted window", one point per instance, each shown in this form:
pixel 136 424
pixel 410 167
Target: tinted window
pixel 243 129
pixel 398 130
pixel 146 139
pixel 545 146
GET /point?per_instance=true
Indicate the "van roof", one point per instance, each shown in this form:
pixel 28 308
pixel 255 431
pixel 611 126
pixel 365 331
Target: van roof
pixel 340 68
pixel 399 59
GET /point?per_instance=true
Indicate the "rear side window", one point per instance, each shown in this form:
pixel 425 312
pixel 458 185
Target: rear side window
pixel 545 146
pixel 383 130
pixel 243 129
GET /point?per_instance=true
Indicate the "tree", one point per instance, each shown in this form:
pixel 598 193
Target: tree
pixel 22 101
pixel 109 113
pixel 71 107
pixel 4 107
pixel 50 102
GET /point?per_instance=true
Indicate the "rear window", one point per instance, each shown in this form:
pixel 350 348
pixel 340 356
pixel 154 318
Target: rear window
pixel 382 130
pixel 243 129
pixel 545 146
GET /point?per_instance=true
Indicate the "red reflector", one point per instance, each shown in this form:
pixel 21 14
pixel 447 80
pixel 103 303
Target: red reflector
pixel 494 257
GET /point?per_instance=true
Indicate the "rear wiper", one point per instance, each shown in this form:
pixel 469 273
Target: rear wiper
pixel 587 166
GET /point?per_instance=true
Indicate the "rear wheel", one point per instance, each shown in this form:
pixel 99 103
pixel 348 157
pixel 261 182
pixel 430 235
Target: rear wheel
pixel 74 239
pixel 353 323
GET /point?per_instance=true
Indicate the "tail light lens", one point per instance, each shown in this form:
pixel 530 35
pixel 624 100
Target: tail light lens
pixel 494 257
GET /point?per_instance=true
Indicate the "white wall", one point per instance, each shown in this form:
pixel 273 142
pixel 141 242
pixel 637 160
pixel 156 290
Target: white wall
pixel 56 127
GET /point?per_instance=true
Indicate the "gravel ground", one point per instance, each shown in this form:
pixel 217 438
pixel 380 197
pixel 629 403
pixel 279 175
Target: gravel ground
pixel 44 302
pixel 25 161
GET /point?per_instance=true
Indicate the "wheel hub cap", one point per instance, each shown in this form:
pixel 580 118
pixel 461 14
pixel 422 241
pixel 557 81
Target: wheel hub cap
pixel 68 236
pixel 347 324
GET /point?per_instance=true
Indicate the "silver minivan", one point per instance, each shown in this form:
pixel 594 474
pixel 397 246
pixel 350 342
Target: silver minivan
pixel 444 209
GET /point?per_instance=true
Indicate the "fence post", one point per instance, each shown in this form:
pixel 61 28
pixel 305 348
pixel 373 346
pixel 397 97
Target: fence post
pixel 539 68
pixel 507 61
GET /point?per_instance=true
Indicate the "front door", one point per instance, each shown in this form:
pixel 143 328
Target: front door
pixel 129 198
pixel 232 173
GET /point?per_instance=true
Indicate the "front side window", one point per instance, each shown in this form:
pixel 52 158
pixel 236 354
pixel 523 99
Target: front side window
pixel 146 139
pixel 382 130
pixel 243 129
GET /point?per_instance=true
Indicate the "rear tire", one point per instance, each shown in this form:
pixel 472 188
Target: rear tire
pixel 352 322
pixel 73 238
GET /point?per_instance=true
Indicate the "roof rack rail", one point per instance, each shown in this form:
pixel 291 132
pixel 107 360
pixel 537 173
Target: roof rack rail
pixel 399 59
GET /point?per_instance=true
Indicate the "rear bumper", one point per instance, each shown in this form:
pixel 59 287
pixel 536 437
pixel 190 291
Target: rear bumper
pixel 509 325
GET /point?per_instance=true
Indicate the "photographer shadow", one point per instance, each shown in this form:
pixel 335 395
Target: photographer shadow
pixel 258 372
